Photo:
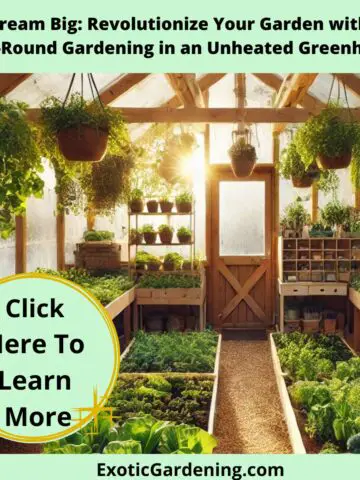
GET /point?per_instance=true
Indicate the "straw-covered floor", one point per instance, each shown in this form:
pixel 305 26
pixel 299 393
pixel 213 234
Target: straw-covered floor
pixel 249 417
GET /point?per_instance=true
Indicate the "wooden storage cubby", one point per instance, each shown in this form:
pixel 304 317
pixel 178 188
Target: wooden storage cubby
pixel 318 259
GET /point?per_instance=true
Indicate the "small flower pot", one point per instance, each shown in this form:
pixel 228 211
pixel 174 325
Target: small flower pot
pixel 242 166
pixel 166 237
pixel 136 206
pixel 304 182
pixel 166 206
pixel 152 206
pixel 184 207
pixel 136 238
pixel 153 266
pixel 186 265
pixel 169 266
pixel 83 143
pixel 334 163
pixel 150 237
pixel 185 239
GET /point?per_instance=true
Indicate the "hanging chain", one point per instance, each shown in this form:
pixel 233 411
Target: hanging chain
pixel 93 88
pixel 331 89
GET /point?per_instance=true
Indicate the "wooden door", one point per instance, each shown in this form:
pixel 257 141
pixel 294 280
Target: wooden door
pixel 241 250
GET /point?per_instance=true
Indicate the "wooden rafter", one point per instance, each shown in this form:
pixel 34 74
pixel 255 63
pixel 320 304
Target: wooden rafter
pixel 186 88
pixel 351 81
pixel 274 81
pixel 213 115
pixel 9 81
pixel 292 91
pixel 120 86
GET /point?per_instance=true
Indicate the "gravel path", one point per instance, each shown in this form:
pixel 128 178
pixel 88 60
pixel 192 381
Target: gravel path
pixel 249 416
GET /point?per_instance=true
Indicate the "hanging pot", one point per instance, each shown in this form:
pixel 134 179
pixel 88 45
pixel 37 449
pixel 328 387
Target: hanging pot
pixel 334 163
pixel 152 206
pixel 170 168
pixel 304 182
pixel 242 155
pixel 83 143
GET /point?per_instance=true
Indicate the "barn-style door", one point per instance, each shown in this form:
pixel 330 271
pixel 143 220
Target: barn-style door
pixel 241 263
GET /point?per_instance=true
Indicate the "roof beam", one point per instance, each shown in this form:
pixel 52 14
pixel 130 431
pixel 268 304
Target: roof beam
pixel 351 81
pixel 186 88
pixel 213 115
pixel 120 86
pixel 9 81
pixel 292 92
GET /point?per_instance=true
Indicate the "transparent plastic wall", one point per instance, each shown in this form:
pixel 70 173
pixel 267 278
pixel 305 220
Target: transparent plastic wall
pixel 41 225
pixel 7 256
pixel 75 225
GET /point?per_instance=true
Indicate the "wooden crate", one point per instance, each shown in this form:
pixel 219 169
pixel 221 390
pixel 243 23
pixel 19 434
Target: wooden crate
pixel 103 255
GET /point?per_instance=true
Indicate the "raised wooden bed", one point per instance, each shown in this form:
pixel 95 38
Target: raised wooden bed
pixel 354 297
pixel 101 255
pixel 170 296
pixel 120 303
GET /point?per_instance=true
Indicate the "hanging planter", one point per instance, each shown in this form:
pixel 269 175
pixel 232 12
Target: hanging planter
pixel 303 182
pixel 83 143
pixel 334 163
pixel 243 157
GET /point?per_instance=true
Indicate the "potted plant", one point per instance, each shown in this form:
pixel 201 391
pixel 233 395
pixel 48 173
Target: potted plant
pixel 153 263
pixel 351 225
pixel 166 233
pixel 141 259
pixel 320 230
pixel 186 265
pixel 98 235
pixel 172 261
pixel 293 220
pixel 243 157
pixel 292 168
pixel 152 206
pixel 165 204
pixel 184 201
pixel 82 128
pixel 136 202
pixel 335 215
pixel 149 234
pixel 20 164
pixel 184 235
pixel 327 139
pixel 135 237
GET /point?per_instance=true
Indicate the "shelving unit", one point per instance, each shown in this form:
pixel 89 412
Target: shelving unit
pixel 318 259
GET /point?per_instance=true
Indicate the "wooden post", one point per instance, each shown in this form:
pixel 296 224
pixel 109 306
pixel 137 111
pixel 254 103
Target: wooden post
pixel 60 240
pixel 208 217
pixel 314 202
pixel 90 219
pixel 20 243
pixel 275 214
pixel 357 199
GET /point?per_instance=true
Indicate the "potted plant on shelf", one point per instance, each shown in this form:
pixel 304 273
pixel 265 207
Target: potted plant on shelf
pixel 141 259
pixel 186 265
pixel 149 234
pixel 327 139
pixel 320 230
pixel 293 220
pixel 166 233
pixel 136 201
pixel 243 157
pixel 135 237
pixel 82 128
pixel 153 263
pixel 20 164
pixel 152 206
pixel 292 168
pixel 184 201
pixel 172 261
pixel 165 204
pixel 351 225
pixel 184 235
pixel 335 215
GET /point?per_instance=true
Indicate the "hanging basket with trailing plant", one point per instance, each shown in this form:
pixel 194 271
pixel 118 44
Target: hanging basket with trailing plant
pixel 327 139
pixel 291 167
pixel 242 155
pixel 82 128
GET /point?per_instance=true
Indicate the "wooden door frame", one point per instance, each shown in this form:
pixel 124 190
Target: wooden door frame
pixel 216 174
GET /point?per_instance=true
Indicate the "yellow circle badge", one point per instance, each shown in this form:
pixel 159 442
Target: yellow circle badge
pixel 59 358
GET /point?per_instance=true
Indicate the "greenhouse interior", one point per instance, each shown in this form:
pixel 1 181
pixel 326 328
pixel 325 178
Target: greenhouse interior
pixel 216 217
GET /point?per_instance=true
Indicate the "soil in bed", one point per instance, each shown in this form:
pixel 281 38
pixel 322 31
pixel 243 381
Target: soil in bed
pixel 249 415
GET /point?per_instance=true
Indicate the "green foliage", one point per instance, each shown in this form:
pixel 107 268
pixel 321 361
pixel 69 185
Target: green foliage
pixel 329 448
pixel 136 194
pixel 325 134
pixel 291 165
pixel 169 281
pixel 172 352
pixel 98 235
pixel 353 444
pixel 105 288
pixel 137 395
pixel 184 197
pixel 20 164
pixel 320 230
pixel 174 259
pixel 184 231
pixel 307 394
pixel 335 213
pixel 148 228
pixel 295 216
pixel 328 182
pixel 242 149
pixel 164 228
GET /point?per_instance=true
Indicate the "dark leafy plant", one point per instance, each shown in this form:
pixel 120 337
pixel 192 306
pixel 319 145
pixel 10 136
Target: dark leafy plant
pixel 335 214
pixel 98 235
pixel 353 444
pixel 174 259
pixel 165 228
pixel 184 197
pixel 295 217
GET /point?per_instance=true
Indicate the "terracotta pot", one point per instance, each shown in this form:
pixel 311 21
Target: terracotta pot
pixel 169 266
pixel 153 266
pixel 304 182
pixel 186 265
pixel 136 206
pixel 166 237
pixel 335 163
pixel 184 238
pixel 242 166
pixel 150 237
pixel 166 206
pixel 83 143
pixel 184 207
pixel 152 206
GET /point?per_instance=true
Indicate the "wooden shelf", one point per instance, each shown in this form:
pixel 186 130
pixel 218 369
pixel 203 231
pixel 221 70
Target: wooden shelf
pixel 169 214
pixel 157 244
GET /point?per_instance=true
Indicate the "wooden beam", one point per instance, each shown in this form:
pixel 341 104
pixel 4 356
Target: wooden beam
pixel 275 81
pixel 314 202
pixel 186 88
pixel 292 92
pixel 213 115
pixel 60 240
pixel 9 81
pixel 20 244
pixel 275 216
pixel 351 81
pixel 120 86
